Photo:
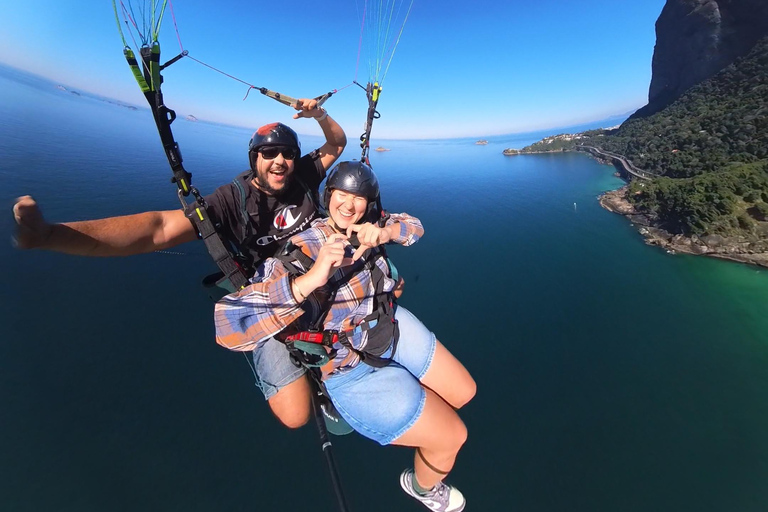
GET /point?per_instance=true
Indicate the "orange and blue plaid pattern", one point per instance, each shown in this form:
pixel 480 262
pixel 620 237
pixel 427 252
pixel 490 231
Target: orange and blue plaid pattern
pixel 244 320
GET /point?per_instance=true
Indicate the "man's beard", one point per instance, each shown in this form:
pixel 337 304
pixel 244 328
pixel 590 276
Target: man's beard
pixel 264 186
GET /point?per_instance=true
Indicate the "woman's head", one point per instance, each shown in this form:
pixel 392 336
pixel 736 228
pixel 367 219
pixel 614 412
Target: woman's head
pixel 352 194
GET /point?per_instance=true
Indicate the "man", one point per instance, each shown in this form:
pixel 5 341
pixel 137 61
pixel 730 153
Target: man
pixel 279 192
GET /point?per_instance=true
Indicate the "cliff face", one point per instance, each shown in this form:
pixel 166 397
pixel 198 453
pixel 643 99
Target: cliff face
pixel 697 38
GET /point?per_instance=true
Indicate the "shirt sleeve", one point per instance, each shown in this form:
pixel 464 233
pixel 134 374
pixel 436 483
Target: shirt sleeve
pixel 245 319
pixel 411 229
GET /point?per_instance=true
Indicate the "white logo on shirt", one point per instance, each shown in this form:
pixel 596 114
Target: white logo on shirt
pixel 284 219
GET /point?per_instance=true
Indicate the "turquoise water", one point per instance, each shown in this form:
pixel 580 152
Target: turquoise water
pixel 612 376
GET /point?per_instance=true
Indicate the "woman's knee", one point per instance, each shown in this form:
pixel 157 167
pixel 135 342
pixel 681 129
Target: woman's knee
pixel 460 436
pixel 450 438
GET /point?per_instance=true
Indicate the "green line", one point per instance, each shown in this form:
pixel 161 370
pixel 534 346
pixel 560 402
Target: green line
pixel 119 28
pixel 156 32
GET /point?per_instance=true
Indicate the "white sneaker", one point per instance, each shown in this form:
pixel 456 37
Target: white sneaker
pixel 443 498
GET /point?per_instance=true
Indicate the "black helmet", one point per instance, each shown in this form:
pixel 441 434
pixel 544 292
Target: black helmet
pixel 356 178
pixel 274 134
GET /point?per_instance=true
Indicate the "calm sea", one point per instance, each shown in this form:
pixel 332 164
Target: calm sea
pixel 612 376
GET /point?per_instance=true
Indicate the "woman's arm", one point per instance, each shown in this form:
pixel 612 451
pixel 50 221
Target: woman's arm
pixel 401 228
pixel 246 318
pixel 404 229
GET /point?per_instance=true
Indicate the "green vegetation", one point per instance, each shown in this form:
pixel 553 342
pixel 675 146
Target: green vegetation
pixel 710 146
pixel 724 201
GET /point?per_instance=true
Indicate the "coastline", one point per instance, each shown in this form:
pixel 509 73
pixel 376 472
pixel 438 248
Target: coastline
pixel 739 250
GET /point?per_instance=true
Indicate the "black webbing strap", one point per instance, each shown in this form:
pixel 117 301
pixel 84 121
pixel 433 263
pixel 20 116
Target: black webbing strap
pixel 372 91
pixel 164 116
pixel 383 308
pixel 234 277
pixel 196 211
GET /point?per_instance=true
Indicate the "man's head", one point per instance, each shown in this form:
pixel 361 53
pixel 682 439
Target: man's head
pixel 272 152
pixel 356 180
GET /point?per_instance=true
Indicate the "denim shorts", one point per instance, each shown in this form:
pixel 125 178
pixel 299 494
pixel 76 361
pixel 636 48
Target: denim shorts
pixel 383 403
pixel 273 367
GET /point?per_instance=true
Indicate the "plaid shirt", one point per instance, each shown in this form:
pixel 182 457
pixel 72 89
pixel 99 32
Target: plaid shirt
pixel 245 319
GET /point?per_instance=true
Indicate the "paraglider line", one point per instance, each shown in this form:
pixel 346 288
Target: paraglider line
pixel 360 42
pixel 175 26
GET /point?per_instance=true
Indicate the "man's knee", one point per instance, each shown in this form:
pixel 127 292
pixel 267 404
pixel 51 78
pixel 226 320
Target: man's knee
pixel 291 404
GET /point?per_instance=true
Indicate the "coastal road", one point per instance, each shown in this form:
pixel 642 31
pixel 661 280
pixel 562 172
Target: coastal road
pixel 626 164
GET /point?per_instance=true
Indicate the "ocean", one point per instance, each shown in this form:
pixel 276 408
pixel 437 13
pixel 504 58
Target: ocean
pixel 611 375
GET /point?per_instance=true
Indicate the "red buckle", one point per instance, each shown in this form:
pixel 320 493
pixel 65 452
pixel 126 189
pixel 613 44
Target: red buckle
pixel 327 338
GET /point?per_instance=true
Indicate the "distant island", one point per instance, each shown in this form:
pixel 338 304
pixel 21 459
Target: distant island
pixel 696 163
pixel 192 118
pixel 62 88
pixel 482 142
pixel 380 149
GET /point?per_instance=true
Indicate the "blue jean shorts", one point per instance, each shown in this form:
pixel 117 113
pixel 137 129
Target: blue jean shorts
pixel 383 403
pixel 273 367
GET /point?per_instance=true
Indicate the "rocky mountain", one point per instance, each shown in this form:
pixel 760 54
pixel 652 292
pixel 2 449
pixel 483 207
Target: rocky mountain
pixel 697 38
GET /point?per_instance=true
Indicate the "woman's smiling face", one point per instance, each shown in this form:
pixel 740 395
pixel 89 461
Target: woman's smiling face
pixel 346 208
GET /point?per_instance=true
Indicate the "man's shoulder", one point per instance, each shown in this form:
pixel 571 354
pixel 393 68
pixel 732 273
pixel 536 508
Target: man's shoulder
pixel 310 168
pixel 231 194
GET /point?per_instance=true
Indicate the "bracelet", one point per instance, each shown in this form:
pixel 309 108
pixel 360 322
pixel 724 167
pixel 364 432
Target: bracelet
pixel 325 114
pixel 295 286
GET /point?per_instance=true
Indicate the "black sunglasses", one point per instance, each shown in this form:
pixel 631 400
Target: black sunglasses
pixel 271 152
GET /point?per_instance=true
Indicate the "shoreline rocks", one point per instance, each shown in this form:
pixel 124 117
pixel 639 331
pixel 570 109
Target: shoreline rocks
pixel 738 249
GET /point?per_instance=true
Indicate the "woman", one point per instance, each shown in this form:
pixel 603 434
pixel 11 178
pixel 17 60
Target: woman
pixel 395 389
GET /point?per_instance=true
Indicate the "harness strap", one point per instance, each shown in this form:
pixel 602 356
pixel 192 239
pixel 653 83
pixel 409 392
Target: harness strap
pixel 326 338
pixel 234 277
pixel 373 323
pixel 372 91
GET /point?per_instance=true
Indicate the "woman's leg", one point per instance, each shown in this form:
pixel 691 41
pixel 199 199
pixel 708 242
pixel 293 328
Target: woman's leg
pixel 448 378
pixel 429 361
pixel 438 434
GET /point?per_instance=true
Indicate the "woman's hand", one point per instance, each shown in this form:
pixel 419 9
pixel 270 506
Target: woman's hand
pixel 330 258
pixel 369 235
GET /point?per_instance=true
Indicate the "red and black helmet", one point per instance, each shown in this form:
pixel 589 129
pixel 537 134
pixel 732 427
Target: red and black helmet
pixel 274 134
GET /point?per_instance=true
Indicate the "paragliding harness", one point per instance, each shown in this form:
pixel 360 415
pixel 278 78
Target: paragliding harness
pixel 314 347
pixel 233 275
pixel 246 262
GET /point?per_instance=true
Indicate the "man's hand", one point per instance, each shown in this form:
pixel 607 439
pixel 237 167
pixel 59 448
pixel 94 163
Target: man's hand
pixel 369 235
pixel 31 228
pixel 307 108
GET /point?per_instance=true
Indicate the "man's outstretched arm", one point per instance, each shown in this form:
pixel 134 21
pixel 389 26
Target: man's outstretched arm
pixel 114 236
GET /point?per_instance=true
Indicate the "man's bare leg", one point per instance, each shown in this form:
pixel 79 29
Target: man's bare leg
pixel 291 404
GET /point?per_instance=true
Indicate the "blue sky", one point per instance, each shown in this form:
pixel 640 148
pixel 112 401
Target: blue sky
pixel 461 69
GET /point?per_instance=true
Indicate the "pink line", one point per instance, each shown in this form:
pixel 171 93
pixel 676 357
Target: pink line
pixel 360 43
pixel 175 26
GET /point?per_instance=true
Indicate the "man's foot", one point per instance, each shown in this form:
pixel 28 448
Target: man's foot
pixel 442 498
